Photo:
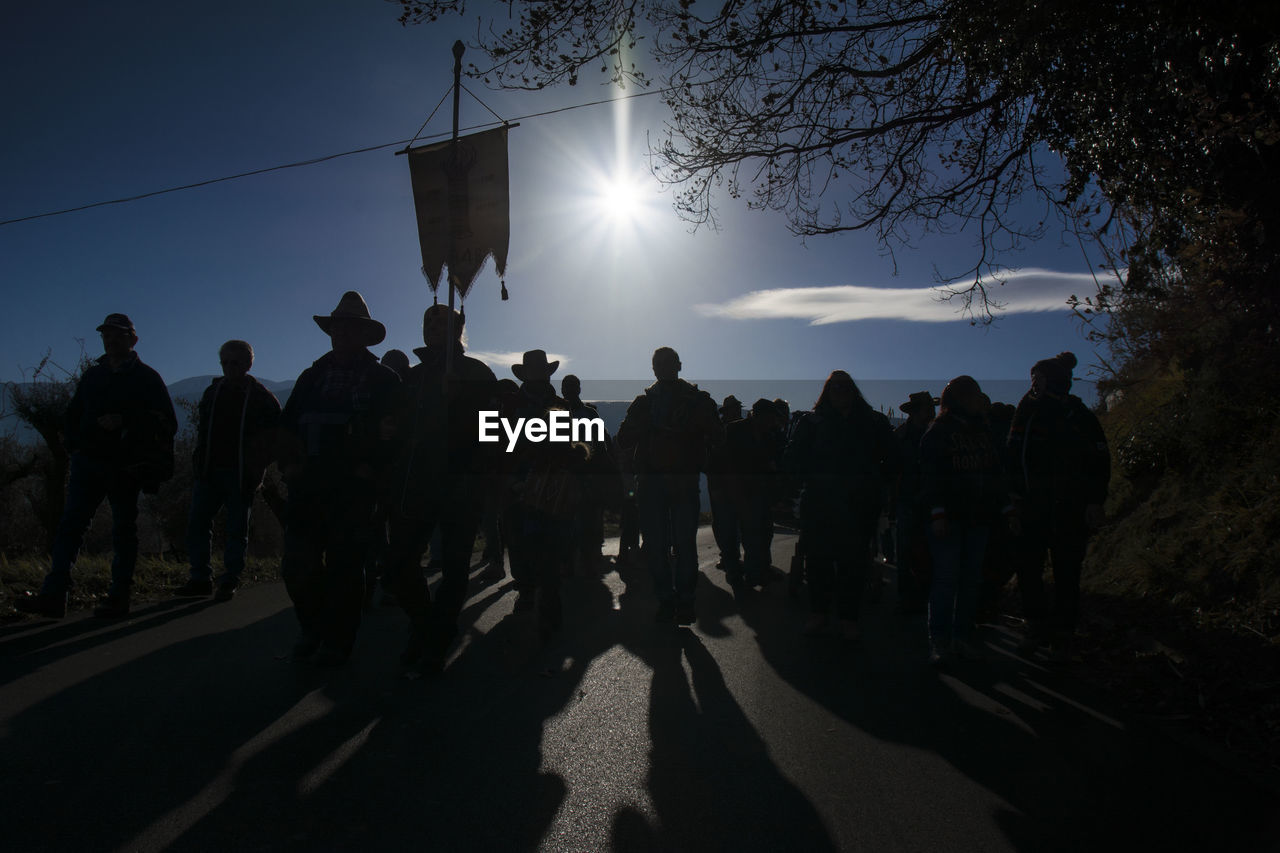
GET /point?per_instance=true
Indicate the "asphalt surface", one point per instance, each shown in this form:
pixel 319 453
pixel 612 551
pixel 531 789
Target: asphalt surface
pixel 187 727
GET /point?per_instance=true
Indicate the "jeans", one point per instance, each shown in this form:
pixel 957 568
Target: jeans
pixel 92 480
pixel 957 581
pixel 669 520
pixel 911 552
pixel 837 554
pixel 329 526
pixel 752 511
pixel 724 526
pixel 454 515
pixel 1060 532
pixel 221 487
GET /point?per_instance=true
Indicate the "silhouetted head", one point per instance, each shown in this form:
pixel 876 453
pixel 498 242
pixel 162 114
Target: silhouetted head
pixel 570 387
pixel 766 415
pixel 1002 413
pixel 840 391
pixel 1053 375
pixel 920 406
pixel 397 361
pixel 349 326
pixel 964 396
pixel 731 408
pixel 435 325
pixel 666 363
pixel 118 336
pixel 236 358
pixel 534 367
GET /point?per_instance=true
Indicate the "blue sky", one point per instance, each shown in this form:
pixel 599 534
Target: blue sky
pixel 103 101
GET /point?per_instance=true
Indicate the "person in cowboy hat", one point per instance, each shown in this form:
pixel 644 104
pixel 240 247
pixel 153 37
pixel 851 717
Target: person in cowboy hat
pixel 535 550
pixel 440 484
pixel 119 428
pixel 338 436
pixel 911 548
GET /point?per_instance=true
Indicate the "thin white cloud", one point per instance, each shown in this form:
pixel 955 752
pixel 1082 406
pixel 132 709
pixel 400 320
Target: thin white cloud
pixel 1026 291
pixel 500 362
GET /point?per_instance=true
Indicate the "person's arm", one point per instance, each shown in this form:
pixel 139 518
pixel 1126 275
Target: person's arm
pixel 934 470
pixel 635 425
pixel 289 451
pixel 1097 471
pixel 1015 447
pixel 72 439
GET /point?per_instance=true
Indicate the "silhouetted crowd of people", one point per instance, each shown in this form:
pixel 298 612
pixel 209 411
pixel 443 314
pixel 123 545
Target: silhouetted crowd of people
pixel 384 463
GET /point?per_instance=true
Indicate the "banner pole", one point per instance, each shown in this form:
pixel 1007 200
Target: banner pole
pixel 458 49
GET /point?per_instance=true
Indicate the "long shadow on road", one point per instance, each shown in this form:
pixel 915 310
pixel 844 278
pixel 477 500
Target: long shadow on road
pixel 1056 768
pixel 217 741
pixel 623 735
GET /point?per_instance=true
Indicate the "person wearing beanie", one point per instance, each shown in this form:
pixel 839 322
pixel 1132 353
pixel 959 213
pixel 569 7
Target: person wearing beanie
pixel 1060 468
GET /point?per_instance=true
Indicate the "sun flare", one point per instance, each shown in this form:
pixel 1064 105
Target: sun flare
pixel 622 200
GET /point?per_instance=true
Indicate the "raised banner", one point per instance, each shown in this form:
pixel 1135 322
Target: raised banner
pixel 461 200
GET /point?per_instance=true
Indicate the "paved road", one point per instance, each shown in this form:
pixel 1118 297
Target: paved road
pixel 187 728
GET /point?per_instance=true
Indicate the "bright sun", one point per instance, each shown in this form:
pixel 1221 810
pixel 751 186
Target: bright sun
pixel 622 199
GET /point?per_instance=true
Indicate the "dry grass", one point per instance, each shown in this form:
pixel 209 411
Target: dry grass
pixel 152 577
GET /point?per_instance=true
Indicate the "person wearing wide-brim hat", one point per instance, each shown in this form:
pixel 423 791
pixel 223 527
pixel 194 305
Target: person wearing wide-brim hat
pixel 538 543
pixel 534 367
pixel 919 401
pixel 910 545
pixel 352 317
pixel 337 437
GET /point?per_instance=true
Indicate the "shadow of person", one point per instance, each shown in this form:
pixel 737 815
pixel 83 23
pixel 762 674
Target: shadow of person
pixel 44 644
pixel 100 756
pixel 456 762
pixel 1045 762
pixel 713 782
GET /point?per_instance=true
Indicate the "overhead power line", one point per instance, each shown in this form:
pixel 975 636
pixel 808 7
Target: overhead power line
pixel 315 160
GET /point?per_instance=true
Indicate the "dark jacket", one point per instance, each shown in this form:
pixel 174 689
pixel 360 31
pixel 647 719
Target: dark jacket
pixel 144 445
pixel 961 477
pixel 843 463
pixel 670 428
pixel 1057 453
pixel 533 400
pixel 332 423
pixel 751 461
pixel 258 417
pixel 439 427
pixel 908 435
